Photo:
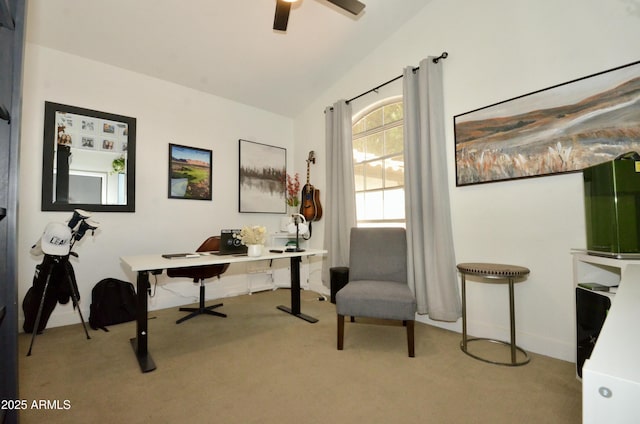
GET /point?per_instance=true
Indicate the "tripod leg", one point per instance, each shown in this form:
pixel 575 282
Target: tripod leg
pixel 38 315
pixel 74 298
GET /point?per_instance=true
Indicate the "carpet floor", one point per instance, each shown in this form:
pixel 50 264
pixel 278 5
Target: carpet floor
pixel 261 365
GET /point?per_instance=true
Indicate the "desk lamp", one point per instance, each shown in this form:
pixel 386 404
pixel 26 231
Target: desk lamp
pixel 298 227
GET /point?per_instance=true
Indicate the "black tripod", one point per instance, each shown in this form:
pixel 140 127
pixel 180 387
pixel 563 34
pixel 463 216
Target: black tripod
pixel 49 265
pixel 60 268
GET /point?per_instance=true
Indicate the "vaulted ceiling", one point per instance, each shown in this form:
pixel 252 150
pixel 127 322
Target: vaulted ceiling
pixel 224 47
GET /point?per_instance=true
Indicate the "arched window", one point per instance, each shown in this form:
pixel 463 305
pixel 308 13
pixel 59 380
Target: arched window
pixel 378 162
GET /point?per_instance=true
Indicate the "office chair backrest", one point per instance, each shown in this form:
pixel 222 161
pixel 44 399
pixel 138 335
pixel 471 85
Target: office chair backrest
pixel 210 245
pixel 201 272
pixel 378 254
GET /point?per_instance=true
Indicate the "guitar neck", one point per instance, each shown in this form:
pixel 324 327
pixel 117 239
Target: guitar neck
pixel 310 159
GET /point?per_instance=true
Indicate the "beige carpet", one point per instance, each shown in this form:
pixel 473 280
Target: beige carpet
pixel 261 365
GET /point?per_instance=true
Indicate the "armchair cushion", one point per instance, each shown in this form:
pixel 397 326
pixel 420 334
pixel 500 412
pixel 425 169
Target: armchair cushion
pixel 376 299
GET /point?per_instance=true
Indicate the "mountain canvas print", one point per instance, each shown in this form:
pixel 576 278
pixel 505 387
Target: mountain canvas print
pixel 560 129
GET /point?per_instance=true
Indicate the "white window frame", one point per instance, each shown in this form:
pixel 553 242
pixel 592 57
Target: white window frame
pixel 396 222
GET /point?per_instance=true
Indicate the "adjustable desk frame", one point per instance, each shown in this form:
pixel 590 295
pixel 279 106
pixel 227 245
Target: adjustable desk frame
pixel 147 263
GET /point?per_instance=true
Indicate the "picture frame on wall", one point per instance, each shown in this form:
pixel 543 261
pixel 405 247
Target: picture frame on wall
pixel 189 172
pixel 262 182
pixel 81 145
pixel 561 129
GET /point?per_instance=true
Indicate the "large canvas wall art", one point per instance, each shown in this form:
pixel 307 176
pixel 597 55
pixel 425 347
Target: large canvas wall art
pixel 564 128
pixel 263 171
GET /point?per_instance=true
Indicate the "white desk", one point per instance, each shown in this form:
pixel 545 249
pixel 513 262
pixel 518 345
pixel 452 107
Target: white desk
pixel 611 376
pixel 143 264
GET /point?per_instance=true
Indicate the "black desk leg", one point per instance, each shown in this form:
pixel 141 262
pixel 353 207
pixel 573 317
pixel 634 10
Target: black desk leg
pixel 295 293
pixel 139 342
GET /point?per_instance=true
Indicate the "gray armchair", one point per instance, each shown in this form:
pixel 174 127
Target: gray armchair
pixel 377 286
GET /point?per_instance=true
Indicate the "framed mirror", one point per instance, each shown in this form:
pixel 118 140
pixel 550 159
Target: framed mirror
pixel 88 160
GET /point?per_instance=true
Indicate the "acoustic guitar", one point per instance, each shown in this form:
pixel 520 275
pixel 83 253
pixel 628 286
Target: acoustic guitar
pixel 310 207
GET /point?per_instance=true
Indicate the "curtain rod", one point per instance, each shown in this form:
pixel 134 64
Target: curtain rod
pixel 444 55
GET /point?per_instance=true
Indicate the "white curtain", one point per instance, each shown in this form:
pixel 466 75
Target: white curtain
pixel 431 261
pixel 340 203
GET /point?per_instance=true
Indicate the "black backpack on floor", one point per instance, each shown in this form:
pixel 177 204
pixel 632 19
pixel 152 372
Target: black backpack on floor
pixel 112 302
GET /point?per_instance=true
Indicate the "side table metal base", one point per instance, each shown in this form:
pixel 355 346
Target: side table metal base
pixel 497 273
pixel 511 364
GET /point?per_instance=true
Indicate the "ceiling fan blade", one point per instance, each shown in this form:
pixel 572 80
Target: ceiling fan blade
pixel 282 15
pixel 351 6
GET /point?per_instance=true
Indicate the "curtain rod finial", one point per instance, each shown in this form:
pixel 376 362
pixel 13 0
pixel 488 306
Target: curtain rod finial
pixel 444 55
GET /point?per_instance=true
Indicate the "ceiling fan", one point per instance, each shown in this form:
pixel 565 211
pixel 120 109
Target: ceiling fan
pixel 284 6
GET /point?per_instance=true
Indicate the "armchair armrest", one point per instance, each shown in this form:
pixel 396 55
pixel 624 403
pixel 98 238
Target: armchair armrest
pixel 339 277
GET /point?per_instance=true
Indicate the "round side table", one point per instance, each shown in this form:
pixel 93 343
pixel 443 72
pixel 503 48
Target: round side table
pixel 501 273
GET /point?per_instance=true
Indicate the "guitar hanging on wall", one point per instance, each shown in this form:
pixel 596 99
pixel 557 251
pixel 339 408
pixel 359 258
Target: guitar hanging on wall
pixel 310 207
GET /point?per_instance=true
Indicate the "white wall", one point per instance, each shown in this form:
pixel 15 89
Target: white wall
pixel 166 113
pixel 499 49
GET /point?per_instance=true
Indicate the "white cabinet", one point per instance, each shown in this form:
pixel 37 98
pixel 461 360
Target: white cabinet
pixel 611 376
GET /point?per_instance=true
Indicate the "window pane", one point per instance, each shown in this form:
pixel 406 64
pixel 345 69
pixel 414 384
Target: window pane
pixel 393 139
pixel 360 209
pixel 378 155
pixel 394 204
pixel 381 224
pixel 374 146
pixel 358 171
pixel 373 120
pixel 373 175
pixel 358 150
pixel 393 112
pixel 394 171
pixel 358 127
pixel 373 205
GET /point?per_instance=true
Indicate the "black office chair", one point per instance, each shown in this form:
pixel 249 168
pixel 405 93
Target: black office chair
pixel 199 274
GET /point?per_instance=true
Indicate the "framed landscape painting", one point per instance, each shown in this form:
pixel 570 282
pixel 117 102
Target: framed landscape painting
pixel 189 173
pixel 564 128
pixel 263 172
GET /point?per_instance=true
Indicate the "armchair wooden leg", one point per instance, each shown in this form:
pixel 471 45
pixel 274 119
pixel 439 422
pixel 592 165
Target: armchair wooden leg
pixel 340 332
pixel 410 338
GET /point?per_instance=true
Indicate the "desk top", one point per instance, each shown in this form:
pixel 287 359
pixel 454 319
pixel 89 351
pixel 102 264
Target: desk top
pixel 156 261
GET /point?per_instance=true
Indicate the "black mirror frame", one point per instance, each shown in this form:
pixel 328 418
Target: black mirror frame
pixel 48 203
